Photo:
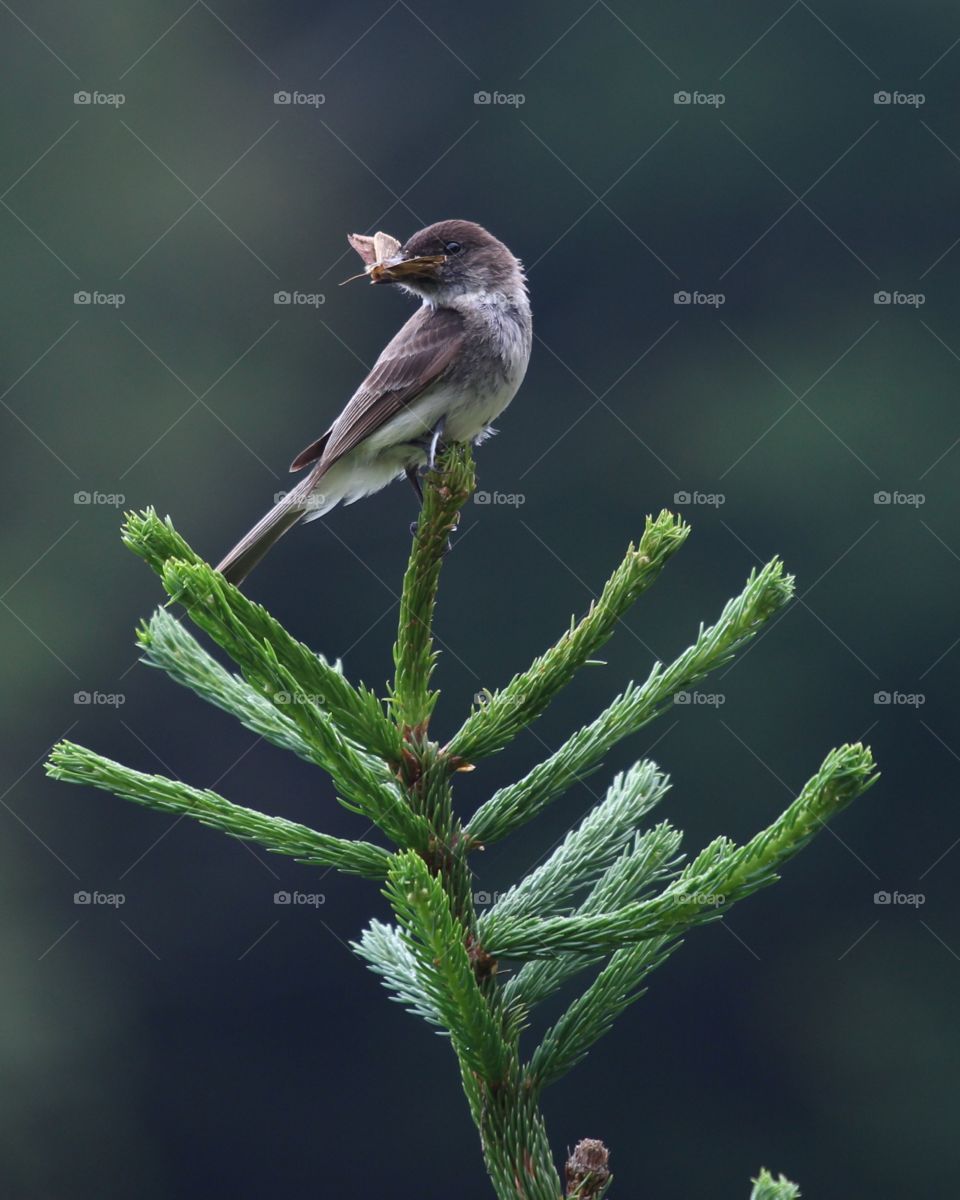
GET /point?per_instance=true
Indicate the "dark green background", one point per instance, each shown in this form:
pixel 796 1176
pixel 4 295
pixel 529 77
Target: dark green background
pixel 202 1041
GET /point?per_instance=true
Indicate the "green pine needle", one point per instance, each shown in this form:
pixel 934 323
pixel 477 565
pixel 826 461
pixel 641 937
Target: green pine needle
pixel 168 645
pixel 76 764
pixel 724 874
pixel 764 594
pixel 507 712
pixel 241 627
pixel 435 939
pixel 765 1187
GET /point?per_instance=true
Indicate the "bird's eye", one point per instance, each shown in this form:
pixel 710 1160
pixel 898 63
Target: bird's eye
pixel 452 247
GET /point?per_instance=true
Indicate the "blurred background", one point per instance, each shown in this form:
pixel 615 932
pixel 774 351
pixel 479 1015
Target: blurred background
pixel 742 236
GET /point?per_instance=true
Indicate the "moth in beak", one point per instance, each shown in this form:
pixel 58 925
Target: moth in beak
pixel 385 262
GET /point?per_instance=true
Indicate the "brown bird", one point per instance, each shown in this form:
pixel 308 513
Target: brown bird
pixel 447 374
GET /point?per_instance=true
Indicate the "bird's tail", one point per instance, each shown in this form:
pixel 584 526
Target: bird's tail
pixel 245 555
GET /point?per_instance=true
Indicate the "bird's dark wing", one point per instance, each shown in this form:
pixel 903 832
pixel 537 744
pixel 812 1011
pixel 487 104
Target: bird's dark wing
pixel 418 355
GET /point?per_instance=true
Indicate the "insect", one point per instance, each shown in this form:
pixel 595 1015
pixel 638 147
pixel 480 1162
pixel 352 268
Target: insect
pixel 379 251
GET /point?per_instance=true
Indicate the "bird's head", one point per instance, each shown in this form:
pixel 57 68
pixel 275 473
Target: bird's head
pixel 450 259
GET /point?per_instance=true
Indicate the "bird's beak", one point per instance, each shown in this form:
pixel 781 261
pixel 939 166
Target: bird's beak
pixel 400 268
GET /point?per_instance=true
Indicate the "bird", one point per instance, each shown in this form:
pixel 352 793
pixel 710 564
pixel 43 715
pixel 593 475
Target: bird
pixel 444 378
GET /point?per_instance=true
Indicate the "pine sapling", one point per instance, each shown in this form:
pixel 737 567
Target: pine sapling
pixel 610 903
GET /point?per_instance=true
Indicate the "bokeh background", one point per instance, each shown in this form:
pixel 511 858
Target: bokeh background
pixel 199 1039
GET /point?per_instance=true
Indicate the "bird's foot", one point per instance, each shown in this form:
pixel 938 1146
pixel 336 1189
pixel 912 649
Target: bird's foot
pixel 414 481
pixel 434 445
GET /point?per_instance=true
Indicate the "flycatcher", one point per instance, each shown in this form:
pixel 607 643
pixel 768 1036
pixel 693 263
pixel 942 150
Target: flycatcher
pixel 447 375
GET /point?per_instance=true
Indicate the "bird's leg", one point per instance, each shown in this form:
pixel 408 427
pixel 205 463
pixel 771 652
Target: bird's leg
pixel 436 433
pixel 415 483
pixel 435 442
pixel 412 476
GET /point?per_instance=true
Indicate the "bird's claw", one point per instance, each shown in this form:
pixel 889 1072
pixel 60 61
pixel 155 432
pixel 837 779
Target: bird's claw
pixel 435 444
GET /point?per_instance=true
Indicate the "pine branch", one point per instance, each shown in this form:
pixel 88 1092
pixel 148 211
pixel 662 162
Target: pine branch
pixel 436 940
pixel 515 1146
pixel 221 610
pixel 170 647
pixel 154 540
pixel 389 956
pixel 765 593
pixel 592 1014
pixel 721 875
pixel 364 783
pixel 447 490
pixel 588 849
pixel 651 860
pixel 76 764
pixel 503 715
pixel 765 1187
